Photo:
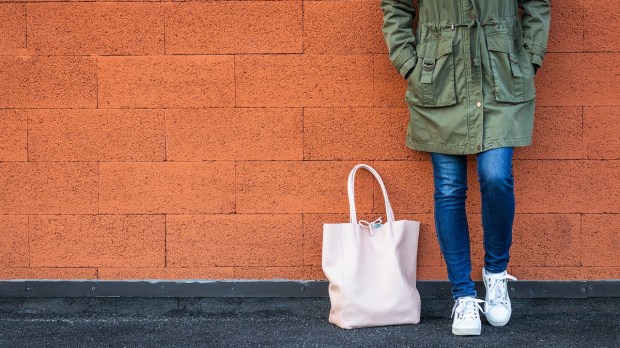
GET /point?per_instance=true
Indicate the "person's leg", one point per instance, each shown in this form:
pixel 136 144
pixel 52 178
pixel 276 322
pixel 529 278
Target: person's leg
pixel 498 210
pixel 498 206
pixel 450 181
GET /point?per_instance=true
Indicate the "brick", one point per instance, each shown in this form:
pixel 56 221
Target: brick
pixel 559 186
pixel 10 273
pixel 601 135
pixel 567 26
pixel 15 80
pixel 579 79
pixel 115 0
pixel 166 187
pixel 166 273
pixel 600 180
pixel 48 187
pixel 389 87
pixel 432 273
pixel 13 29
pixel 600 25
pixel 303 80
pixel 557 135
pixel 16 182
pixel 13 241
pixel 96 135
pixel 565 273
pixel 234 27
pixel 49 273
pixel 356 134
pixel 343 27
pixel 166 81
pixel 600 243
pixel 299 187
pixel 234 240
pixel 409 185
pixel 40 1
pixel 234 133
pixel 541 240
pixel 13 135
pixel 55 273
pixel 96 28
pixel 314 273
pixel 294 273
pixel 96 240
pixel 313 235
pixel 48 82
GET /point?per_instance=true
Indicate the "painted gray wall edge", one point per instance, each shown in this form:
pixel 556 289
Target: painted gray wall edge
pixel 280 288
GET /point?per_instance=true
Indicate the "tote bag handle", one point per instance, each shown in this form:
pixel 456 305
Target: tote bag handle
pixel 351 187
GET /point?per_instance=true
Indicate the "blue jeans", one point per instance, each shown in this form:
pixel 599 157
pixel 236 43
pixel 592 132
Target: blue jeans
pixel 498 209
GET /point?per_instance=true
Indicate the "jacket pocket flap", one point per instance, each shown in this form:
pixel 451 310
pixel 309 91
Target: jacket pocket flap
pixel 435 48
pixel 500 43
pixel 503 43
pixel 444 47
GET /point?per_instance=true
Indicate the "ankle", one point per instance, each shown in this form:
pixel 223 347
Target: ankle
pixel 499 273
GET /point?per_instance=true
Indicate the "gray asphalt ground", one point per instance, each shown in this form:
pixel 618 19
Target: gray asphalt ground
pixel 289 322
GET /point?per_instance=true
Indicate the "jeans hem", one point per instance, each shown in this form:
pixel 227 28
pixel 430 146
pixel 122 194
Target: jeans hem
pixel 472 294
pixel 492 271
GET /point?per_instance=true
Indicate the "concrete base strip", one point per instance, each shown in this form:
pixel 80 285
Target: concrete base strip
pixel 279 288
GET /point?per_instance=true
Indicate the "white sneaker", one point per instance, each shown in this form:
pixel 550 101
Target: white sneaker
pixel 497 306
pixel 466 318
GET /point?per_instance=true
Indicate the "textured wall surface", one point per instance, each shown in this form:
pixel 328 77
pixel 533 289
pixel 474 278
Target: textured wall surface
pixel 212 139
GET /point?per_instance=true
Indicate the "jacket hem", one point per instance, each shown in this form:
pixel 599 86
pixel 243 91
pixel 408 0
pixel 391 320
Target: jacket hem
pixel 452 149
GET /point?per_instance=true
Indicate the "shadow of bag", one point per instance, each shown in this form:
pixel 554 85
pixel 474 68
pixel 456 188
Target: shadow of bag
pixel 371 267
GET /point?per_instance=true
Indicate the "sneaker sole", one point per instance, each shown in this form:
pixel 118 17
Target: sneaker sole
pixel 466 332
pixel 498 323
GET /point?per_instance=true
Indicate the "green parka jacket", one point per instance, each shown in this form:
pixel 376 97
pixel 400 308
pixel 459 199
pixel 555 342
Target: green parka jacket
pixel 469 68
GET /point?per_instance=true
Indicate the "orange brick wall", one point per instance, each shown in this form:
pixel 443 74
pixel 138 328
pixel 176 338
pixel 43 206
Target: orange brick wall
pixel 211 140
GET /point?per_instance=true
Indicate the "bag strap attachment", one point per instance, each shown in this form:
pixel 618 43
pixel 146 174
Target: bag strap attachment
pixel 351 188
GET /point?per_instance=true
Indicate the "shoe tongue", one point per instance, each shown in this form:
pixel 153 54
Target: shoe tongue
pixel 497 294
pixel 470 308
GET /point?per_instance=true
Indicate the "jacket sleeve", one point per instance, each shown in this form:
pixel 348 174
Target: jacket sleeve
pixel 398 33
pixel 536 19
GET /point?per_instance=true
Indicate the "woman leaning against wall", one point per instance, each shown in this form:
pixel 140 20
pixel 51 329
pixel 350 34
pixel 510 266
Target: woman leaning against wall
pixel 470 67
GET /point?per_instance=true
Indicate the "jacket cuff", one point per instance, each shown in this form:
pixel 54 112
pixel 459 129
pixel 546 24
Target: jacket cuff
pixel 407 66
pixel 536 59
pixel 537 53
pixel 406 61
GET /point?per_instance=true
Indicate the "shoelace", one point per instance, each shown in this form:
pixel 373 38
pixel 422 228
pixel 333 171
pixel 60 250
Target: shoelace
pixel 498 289
pixel 467 307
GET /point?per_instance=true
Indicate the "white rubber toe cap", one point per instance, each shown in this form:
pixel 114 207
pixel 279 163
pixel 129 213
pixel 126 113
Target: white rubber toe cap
pixel 498 315
pixel 467 329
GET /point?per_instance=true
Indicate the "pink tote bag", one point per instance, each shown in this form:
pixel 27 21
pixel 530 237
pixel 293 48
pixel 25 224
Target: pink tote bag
pixel 371 267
